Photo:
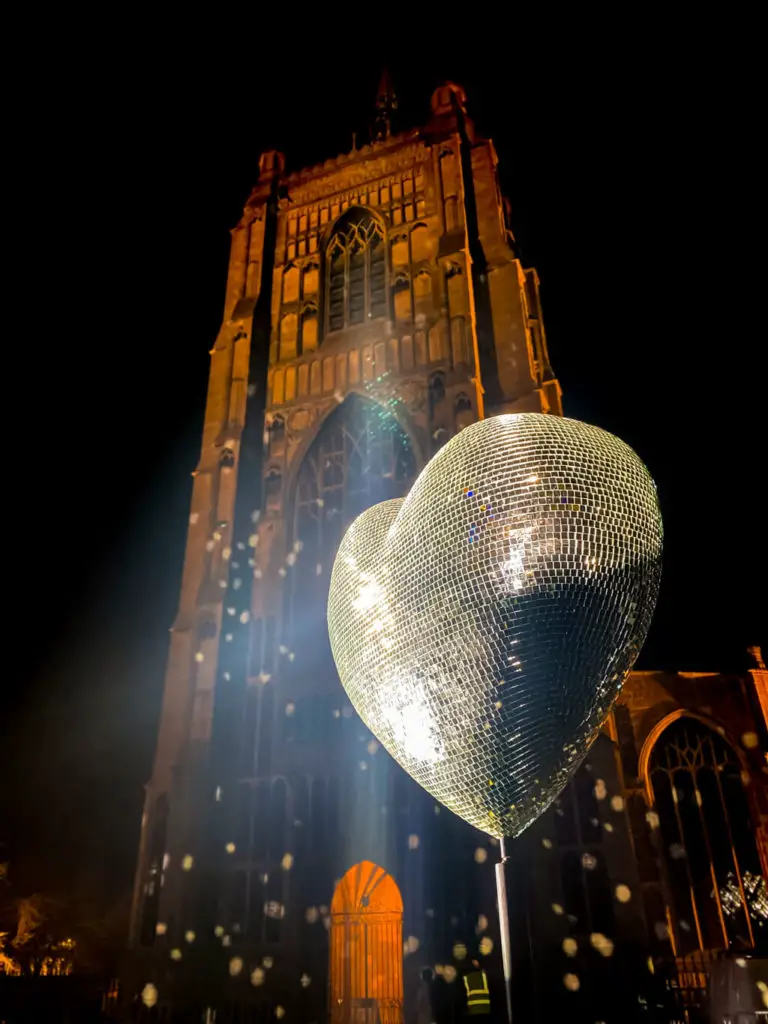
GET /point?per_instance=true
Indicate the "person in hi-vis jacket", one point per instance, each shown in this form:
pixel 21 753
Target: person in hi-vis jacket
pixel 478 996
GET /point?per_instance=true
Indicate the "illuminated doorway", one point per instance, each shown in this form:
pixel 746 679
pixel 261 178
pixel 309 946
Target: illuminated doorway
pixel 367 948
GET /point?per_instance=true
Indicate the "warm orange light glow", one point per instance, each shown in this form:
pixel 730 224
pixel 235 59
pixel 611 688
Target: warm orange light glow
pixel 760 677
pixel 366 945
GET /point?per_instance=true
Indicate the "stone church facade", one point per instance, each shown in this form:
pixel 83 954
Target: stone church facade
pixel 375 305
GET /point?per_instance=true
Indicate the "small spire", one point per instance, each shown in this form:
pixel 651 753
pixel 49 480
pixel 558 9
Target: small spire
pixel 386 105
pixel 756 653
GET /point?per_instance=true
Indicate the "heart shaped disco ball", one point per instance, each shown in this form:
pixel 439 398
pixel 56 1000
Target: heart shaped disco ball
pixel 483 625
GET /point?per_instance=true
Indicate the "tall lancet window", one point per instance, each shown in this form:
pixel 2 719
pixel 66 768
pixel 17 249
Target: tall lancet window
pixel 355 271
pixel 360 456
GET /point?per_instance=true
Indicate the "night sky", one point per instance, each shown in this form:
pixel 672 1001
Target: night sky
pixel 633 185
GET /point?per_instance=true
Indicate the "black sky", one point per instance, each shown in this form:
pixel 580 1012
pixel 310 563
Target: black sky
pixel 634 184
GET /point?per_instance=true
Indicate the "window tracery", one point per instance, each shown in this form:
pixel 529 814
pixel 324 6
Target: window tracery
pixel 356 271
pixel 712 862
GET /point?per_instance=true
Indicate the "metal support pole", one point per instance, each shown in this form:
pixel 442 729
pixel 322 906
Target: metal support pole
pixel 506 945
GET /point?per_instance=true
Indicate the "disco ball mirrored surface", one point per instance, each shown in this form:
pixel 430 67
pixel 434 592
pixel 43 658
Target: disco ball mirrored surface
pixel 483 625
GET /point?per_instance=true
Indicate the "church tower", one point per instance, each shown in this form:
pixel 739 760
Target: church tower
pixel 375 306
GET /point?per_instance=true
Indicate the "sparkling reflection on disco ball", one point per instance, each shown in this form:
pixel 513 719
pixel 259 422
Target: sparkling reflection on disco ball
pixel 483 625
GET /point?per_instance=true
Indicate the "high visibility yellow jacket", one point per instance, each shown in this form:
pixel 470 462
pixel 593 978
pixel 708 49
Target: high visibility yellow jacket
pixel 478 997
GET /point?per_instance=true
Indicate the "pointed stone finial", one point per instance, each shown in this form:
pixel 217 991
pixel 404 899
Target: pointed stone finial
pixel 449 112
pixel 386 105
pixel 271 165
pixel 447 97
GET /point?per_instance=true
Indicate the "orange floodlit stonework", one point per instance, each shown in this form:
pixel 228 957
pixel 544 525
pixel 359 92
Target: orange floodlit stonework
pixel 375 306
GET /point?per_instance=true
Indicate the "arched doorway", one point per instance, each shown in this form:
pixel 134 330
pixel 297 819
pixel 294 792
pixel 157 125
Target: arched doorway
pixel 367 948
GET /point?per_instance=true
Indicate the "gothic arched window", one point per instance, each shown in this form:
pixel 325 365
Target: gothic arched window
pixel 360 457
pixel 356 270
pixel 713 866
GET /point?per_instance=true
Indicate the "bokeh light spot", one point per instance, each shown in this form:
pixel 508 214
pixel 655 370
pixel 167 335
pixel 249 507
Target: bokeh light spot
pixel 623 893
pixel 149 995
pixel 601 943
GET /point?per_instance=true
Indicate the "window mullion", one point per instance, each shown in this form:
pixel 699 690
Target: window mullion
pixel 713 873
pixel 681 832
pixel 734 855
